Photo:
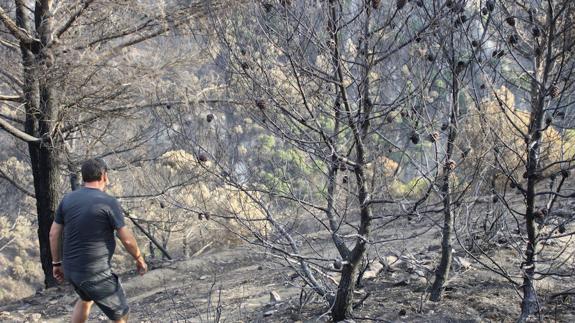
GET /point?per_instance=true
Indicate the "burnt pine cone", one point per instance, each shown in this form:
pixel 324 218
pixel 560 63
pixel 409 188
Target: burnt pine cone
pixel 414 138
pixel 261 104
pixel 400 4
pixel 554 91
pixel 490 5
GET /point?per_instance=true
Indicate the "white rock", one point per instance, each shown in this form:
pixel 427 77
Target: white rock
pixel 269 313
pixel 462 263
pixel 390 262
pixel 275 297
pixel 35 317
pixel 373 270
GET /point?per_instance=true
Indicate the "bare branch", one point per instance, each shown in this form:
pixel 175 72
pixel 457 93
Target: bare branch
pixel 17 132
pixel 13 98
pixel 60 31
pixel 21 34
pixel 16 184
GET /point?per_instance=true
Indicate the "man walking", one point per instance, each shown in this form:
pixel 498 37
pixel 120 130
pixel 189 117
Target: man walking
pixel 88 217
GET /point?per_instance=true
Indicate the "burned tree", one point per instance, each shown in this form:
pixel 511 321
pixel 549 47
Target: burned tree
pixel 529 72
pixel 63 73
pixel 320 84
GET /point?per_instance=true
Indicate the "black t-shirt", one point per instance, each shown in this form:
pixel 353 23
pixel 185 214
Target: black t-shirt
pixel 89 217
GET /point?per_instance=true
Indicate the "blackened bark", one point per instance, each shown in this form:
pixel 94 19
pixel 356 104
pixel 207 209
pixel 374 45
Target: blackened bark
pixel 529 304
pixel 541 67
pixel 442 271
pixel 343 304
pixel 40 116
pixel 46 180
pixel 342 307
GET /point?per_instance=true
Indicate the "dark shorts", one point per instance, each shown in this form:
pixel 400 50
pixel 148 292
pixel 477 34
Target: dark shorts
pixel 106 291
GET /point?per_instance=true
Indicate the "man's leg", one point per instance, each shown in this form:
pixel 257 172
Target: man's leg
pixel 81 311
pixel 124 319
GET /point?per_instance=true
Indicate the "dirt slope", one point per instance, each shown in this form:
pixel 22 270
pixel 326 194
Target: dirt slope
pixel 242 279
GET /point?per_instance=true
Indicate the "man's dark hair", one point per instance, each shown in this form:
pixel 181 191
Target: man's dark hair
pixel 93 169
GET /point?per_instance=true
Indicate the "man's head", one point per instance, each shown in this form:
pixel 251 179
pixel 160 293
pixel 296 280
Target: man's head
pixel 95 173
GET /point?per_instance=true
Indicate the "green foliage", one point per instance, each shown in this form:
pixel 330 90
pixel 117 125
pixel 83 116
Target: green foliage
pixel 414 188
pixel 267 143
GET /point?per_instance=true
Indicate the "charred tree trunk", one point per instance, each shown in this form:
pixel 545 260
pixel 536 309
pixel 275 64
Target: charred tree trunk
pixel 542 66
pixel 342 307
pixel 46 180
pixel 442 271
pixel 343 304
pixel 530 304
pixel 40 116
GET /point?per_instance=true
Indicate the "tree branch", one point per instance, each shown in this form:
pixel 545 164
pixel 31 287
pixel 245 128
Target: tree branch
pixel 17 132
pixel 15 184
pixel 20 34
pixel 73 18
pixel 8 44
pixel 13 98
pixel 10 118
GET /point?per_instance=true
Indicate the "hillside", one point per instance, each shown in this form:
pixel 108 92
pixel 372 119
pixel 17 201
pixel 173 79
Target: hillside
pixel 237 283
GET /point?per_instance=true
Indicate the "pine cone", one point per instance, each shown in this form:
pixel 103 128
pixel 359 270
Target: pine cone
pixel 261 104
pixel 490 5
pixel 513 40
pixel 202 158
pixel 554 91
pixel 400 4
pixel 536 32
pixel 414 138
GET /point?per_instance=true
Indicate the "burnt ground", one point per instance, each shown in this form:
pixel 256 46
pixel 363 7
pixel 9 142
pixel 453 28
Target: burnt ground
pixel 236 284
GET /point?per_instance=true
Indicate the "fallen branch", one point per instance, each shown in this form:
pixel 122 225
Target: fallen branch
pixel 202 249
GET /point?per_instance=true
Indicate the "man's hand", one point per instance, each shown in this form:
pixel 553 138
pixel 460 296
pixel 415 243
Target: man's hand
pixel 141 266
pixel 55 247
pixel 131 246
pixel 58 273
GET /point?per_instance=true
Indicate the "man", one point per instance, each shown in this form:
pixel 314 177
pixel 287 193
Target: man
pixel 88 217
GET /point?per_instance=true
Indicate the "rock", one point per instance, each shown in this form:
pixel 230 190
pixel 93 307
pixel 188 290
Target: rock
pixel 373 270
pixel 275 297
pixel 204 277
pixel 391 262
pixel 420 273
pixel 417 279
pixel 269 313
pixel 462 263
pixel 35 317
pixel 403 282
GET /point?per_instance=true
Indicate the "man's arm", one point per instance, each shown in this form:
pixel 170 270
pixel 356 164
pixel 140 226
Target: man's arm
pixel 55 247
pixel 131 246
